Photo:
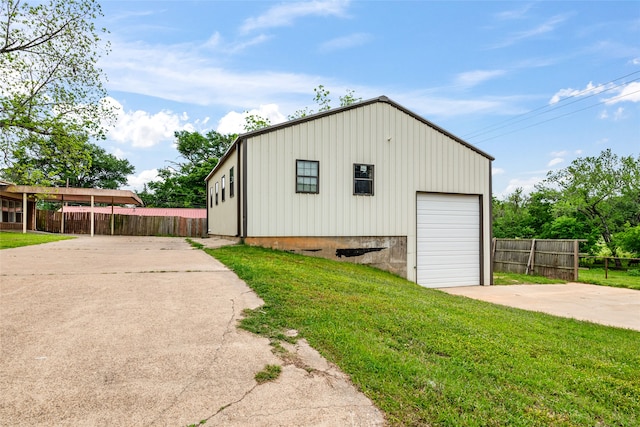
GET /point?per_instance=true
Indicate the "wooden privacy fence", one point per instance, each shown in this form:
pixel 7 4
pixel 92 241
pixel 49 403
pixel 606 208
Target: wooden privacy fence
pixel 555 258
pixel 123 225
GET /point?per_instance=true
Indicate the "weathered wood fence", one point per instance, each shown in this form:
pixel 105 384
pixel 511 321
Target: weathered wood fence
pixel 556 258
pixel 124 225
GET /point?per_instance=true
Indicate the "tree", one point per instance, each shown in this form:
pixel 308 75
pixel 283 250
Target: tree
pixel 50 85
pixel 324 102
pixel 182 183
pixel 598 188
pixel 43 161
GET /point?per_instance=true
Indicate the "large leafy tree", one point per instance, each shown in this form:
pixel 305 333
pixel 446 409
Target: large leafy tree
pixel 43 161
pixel 50 85
pixel 604 190
pixel 182 183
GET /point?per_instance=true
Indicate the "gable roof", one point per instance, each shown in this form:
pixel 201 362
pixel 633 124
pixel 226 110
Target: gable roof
pixel 338 110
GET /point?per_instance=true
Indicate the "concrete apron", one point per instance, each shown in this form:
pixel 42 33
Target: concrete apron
pixel 142 331
pixel 599 304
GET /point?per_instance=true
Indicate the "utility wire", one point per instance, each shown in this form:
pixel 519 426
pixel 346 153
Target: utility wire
pixel 558 117
pixel 550 108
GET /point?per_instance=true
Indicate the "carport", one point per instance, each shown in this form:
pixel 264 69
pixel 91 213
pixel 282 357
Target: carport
pixel 30 194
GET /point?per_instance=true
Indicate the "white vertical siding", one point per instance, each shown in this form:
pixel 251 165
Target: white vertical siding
pixel 223 216
pixel 408 155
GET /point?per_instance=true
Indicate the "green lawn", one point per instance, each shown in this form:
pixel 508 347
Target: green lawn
pixel 428 358
pixel 500 278
pixel 617 278
pixel 12 239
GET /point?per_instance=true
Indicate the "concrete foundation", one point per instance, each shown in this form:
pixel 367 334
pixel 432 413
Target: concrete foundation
pixel 385 252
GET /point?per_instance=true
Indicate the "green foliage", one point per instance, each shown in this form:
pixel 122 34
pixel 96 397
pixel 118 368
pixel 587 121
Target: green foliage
pixel 182 184
pixel 255 122
pixel 348 98
pixel 324 102
pixel 595 198
pixel 51 85
pixel 598 188
pixel 10 239
pixel 428 358
pixel 50 161
pixel 629 240
pixel 322 98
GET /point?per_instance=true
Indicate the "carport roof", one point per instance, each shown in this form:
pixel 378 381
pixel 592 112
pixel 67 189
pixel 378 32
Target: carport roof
pixel 83 195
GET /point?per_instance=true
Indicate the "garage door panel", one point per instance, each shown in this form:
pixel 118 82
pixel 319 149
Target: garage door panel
pixel 448 240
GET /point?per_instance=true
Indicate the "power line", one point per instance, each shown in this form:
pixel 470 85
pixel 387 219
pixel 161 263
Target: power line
pixel 577 97
pixel 558 117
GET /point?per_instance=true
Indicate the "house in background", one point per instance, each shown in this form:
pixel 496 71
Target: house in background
pixel 371 183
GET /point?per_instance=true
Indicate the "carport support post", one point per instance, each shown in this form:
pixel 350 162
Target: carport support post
pixel 62 216
pixel 112 218
pixel 24 213
pixel 92 218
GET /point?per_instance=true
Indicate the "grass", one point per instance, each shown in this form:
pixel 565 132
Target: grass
pixel 12 239
pixel 616 278
pixel 269 373
pixel 522 279
pixel 428 358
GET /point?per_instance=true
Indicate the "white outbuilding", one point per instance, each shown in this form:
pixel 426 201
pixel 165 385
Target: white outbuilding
pixel 371 182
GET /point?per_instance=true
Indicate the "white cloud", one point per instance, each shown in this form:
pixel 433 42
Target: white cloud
pixel 559 153
pixel 473 78
pixel 346 42
pixel 635 61
pixel 137 182
pixel 497 171
pixel 120 154
pixel 527 185
pixel 233 122
pixel 142 129
pixel 286 13
pixel 590 89
pixel 578 152
pixel 555 161
pixel 514 13
pixel 546 27
pixel 629 92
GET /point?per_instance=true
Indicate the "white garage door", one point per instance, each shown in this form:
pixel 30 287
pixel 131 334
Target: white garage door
pixel 448 240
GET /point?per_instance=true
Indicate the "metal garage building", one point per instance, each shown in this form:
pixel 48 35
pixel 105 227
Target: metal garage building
pixel 372 183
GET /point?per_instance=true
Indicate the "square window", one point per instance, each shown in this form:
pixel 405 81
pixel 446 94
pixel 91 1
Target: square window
pixel 362 180
pixel 307 173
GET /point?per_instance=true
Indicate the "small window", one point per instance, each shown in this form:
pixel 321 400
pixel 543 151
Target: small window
pixel 231 182
pixel 362 180
pixel 216 194
pixel 223 180
pixel 307 172
pixel 210 197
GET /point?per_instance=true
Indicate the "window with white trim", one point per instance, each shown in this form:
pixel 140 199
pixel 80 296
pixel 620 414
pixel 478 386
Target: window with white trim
pixel 217 193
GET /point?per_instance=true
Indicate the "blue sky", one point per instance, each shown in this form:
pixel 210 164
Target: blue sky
pixel 534 84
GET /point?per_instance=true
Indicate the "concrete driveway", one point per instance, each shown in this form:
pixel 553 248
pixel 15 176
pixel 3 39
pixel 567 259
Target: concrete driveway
pixel 599 304
pixel 142 331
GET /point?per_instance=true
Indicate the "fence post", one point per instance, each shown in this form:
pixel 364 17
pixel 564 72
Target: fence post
pixel 531 257
pixel 576 260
